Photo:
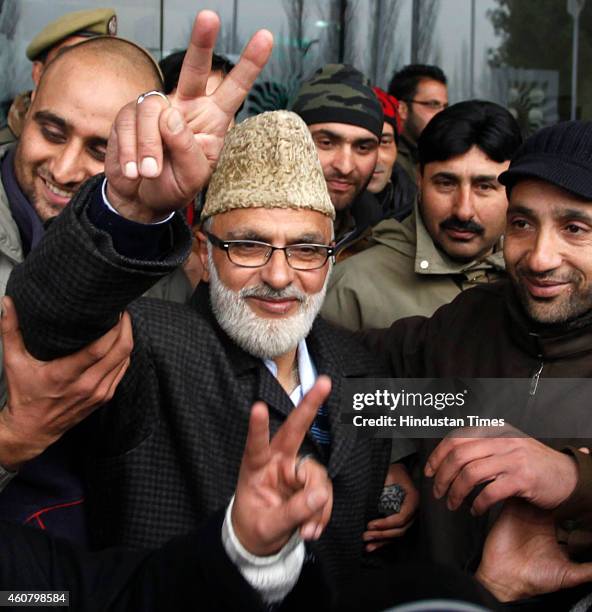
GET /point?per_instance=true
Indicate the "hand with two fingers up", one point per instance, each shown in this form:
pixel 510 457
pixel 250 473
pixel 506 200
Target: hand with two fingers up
pixel 162 151
pixel 278 491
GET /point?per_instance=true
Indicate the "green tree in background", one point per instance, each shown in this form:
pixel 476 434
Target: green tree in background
pixel 537 34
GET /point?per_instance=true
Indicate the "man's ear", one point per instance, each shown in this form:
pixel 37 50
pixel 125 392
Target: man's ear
pixel 403 111
pixel 36 72
pixel 202 252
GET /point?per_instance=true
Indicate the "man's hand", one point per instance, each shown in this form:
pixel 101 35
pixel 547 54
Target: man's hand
pixel 512 467
pixel 276 493
pixel 47 398
pixel 522 557
pixel 161 153
pixel 381 531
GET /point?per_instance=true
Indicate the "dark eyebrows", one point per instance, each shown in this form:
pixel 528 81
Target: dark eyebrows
pixel 43 116
pixel 520 209
pixel 563 215
pixel 573 214
pixel 445 175
pixel 337 137
pixel 325 132
pixel 484 178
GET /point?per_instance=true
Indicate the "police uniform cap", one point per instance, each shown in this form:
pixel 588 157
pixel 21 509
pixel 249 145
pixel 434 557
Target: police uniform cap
pixel 79 23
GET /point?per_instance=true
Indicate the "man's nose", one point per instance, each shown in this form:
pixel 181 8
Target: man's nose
pixel 276 272
pixel 464 208
pixel 545 255
pixel 343 161
pixel 69 165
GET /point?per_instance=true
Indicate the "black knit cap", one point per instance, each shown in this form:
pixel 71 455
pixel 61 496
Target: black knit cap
pixel 560 154
pixel 338 93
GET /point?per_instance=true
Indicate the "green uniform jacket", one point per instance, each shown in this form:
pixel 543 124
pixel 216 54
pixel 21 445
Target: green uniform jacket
pixel 402 275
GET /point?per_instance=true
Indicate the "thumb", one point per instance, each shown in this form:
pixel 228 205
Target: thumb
pixel 9 326
pixel 576 574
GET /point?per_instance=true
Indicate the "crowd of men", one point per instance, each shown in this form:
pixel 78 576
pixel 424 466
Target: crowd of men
pixel 186 299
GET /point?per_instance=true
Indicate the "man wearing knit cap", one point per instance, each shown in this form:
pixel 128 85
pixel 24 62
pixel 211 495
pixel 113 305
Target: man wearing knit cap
pixel 65 31
pixel 171 439
pixel 345 119
pixel 390 184
pixel 537 325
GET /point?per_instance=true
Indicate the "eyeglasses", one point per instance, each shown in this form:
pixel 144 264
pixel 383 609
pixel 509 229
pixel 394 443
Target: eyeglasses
pixel 431 104
pixel 254 254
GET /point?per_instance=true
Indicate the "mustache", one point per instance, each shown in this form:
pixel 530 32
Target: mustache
pixel 454 223
pixel 266 292
pixel 550 276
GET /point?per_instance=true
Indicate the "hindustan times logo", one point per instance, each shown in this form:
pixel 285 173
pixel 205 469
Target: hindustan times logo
pixel 382 398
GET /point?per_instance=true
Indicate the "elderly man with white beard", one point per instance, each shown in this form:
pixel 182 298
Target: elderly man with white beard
pixel 165 452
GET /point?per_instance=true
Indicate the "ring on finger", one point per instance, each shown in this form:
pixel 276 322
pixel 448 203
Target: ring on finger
pixel 154 92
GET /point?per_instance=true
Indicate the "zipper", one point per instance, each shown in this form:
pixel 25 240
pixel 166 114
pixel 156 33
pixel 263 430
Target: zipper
pixel 534 382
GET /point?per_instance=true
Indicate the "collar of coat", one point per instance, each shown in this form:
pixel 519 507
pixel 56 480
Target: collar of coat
pixel 547 342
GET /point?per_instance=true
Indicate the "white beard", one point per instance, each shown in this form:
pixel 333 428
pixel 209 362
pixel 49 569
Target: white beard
pixel 261 337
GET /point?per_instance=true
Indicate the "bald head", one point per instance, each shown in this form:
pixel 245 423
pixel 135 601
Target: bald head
pixel 65 135
pixel 121 58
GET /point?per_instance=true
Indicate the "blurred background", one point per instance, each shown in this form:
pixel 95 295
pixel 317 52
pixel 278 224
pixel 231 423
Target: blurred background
pixel 519 53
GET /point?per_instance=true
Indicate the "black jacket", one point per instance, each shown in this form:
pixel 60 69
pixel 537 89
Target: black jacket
pixel 484 333
pixel 191 572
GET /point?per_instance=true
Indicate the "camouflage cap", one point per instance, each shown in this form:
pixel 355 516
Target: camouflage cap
pixel 94 22
pixel 338 93
pixel 268 161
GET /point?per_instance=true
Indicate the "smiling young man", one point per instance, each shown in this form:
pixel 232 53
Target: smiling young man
pixel 451 241
pixel 345 119
pixel 65 136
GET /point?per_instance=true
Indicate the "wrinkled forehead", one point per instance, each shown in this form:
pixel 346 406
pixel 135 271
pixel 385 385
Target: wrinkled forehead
pixel 273 225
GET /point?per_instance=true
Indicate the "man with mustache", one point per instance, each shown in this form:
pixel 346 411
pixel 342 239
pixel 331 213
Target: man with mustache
pixel 451 241
pixel 166 451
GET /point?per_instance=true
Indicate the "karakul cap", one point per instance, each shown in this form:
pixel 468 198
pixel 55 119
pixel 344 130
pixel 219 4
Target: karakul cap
pixel 268 161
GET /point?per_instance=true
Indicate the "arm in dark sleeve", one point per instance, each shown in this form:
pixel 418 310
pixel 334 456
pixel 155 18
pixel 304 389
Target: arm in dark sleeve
pixel 74 285
pixel 189 573
pixel 401 346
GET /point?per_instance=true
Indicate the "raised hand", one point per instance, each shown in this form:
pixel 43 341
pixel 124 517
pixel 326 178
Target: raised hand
pixel 47 398
pixel 522 557
pixel 278 493
pixel 513 465
pixel 162 152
